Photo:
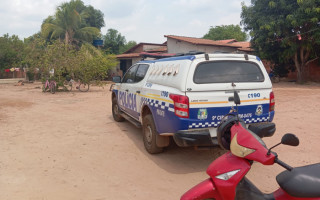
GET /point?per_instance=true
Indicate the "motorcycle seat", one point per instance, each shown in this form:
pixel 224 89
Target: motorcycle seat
pixel 301 181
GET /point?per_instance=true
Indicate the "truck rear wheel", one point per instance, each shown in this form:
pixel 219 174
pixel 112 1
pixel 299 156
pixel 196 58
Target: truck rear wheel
pixel 150 135
pixel 116 111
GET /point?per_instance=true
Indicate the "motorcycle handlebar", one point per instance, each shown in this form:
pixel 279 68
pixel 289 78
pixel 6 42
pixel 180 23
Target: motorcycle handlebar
pixel 283 164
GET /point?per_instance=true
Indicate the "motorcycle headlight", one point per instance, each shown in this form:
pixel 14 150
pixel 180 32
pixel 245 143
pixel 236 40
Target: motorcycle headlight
pixel 238 150
pixel 228 175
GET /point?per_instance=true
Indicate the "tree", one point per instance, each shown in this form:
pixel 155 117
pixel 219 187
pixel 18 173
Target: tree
pixel 93 17
pixel 86 64
pixel 284 31
pixel 93 64
pixel 11 51
pixel 226 32
pixel 113 41
pixel 73 22
pixel 127 46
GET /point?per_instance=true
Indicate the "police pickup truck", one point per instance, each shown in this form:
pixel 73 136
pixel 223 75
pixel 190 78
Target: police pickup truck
pixel 187 96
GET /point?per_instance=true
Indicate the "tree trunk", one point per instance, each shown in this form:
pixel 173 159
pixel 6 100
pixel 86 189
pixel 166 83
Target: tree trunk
pixel 67 38
pixel 297 65
pixel 300 60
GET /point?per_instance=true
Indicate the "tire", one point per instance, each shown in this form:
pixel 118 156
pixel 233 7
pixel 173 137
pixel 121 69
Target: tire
pixel 83 87
pixel 149 135
pixel 116 112
pixel 53 88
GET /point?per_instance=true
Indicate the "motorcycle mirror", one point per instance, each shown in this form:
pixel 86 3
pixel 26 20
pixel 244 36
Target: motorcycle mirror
pixel 290 139
pixel 236 98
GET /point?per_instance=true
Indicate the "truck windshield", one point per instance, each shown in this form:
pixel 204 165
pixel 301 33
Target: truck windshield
pixel 227 72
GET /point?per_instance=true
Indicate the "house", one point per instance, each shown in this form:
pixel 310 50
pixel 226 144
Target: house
pixel 180 44
pixel 132 55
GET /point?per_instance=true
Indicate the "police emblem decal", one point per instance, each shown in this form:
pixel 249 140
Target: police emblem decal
pixel 259 110
pixel 202 113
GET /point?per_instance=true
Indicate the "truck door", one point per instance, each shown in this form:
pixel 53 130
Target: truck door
pixel 126 98
pixel 129 98
pixel 139 83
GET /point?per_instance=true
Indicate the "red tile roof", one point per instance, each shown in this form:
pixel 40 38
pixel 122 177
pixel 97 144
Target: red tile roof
pixel 129 55
pixel 141 45
pixel 245 46
pixel 200 41
pixel 242 46
pixel 227 41
pixel 160 49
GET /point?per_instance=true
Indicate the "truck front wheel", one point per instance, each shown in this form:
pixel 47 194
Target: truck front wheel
pixel 150 135
pixel 116 111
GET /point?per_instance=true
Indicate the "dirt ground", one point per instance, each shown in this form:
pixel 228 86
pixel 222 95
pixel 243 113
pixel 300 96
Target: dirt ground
pixel 67 146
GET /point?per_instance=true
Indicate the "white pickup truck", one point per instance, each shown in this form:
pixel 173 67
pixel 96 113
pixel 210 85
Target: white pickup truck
pixel 187 96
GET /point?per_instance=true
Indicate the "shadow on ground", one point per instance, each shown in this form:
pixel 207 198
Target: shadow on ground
pixel 174 159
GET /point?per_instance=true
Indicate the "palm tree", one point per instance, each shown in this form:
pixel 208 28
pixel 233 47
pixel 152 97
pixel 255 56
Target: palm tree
pixel 68 23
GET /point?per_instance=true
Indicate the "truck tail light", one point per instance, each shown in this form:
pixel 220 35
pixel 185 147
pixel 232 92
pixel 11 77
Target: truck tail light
pixel 181 105
pixel 272 102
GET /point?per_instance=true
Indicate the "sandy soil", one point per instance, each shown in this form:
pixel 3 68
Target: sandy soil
pixel 67 146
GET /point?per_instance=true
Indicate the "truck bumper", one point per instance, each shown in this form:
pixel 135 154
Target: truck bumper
pixel 194 138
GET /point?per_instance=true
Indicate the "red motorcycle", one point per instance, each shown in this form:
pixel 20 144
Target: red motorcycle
pixel 227 173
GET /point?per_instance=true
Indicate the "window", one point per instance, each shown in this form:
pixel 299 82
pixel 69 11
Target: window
pixel 141 72
pixel 130 75
pixel 227 72
pixel 135 74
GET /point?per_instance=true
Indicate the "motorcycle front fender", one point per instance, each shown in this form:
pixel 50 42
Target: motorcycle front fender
pixel 204 190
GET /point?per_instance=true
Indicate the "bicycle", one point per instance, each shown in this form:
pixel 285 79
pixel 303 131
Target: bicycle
pixel 83 87
pixel 51 86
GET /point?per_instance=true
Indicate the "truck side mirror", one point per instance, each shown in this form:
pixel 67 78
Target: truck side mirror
pixel 116 79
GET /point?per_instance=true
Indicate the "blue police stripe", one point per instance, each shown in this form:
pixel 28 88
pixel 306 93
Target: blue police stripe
pixel 247 113
pixel 167 122
pixel 170 123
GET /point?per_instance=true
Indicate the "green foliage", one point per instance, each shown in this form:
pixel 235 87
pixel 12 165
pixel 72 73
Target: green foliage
pixel 113 41
pixel 11 52
pixel 86 64
pixel 93 17
pixel 35 47
pixel 225 32
pixel 93 64
pixel 30 75
pixel 284 31
pixel 127 46
pixel 74 22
